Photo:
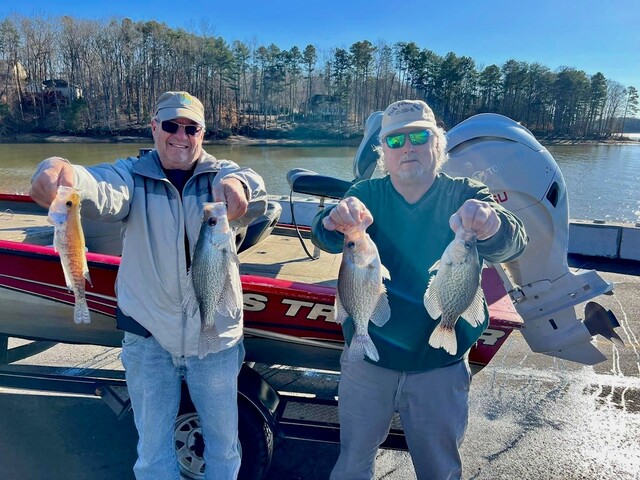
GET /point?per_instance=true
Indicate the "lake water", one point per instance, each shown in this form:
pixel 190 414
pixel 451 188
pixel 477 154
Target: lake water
pixel 603 181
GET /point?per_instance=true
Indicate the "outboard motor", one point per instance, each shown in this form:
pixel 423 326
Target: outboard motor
pixel 366 158
pixel 523 176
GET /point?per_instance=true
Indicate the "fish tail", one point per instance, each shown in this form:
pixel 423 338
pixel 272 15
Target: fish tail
pixel 209 341
pixel 362 345
pixel 444 337
pixel 81 311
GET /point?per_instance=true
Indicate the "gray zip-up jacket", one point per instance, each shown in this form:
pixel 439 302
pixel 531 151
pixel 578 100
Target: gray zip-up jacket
pixel 153 276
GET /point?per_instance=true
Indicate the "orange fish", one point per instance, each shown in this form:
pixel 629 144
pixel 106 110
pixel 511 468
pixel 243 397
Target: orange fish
pixel 68 241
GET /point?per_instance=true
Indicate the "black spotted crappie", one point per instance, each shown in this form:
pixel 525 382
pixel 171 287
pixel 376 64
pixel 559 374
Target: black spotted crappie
pixel 214 277
pixel 455 290
pixel 361 294
pixel 68 241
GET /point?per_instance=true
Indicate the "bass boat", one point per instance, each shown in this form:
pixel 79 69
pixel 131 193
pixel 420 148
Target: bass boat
pixel 289 289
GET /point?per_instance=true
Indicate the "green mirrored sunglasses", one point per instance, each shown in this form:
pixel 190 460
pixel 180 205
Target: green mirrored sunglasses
pixel 416 138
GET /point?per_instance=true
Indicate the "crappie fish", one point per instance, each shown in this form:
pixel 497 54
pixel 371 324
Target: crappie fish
pixel 455 290
pixel 68 241
pixel 361 294
pixel 214 277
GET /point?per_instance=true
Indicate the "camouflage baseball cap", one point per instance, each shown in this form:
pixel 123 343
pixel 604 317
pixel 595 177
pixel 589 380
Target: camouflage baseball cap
pixel 173 105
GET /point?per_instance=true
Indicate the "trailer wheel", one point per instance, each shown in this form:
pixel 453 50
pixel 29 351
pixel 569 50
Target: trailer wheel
pixel 256 444
pixel 189 446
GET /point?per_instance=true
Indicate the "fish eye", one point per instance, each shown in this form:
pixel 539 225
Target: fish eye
pixel 69 203
pixel 212 222
pixel 351 244
pixel 467 245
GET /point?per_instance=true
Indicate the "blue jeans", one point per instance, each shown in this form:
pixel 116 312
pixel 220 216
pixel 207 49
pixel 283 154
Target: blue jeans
pixel 153 380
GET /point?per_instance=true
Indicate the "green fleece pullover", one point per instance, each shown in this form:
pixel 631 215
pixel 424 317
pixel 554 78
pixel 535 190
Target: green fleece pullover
pixel 410 239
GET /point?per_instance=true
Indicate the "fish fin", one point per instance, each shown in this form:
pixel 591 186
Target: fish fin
pixel 230 301
pixel 385 273
pixel 189 300
pixel 339 313
pixel 228 246
pixel 443 337
pixel 87 277
pixel 81 312
pixel 474 314
pixel 382 312
pixel 434 267
pixel 431 300
pixel 362 345
pixel 234 257
pixel 67 278
pixel 237 289
pixel 209 341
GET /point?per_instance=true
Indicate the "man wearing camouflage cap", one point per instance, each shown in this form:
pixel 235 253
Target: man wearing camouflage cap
pixel 159 200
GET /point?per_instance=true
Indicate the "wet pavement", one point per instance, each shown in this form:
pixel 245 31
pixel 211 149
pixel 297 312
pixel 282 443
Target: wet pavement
pixel 531 416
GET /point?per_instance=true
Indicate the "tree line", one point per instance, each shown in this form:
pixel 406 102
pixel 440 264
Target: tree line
pixel 118 67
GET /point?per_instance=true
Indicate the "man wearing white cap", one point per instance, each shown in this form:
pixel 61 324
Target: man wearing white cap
pixel 411 215
pixel 159 200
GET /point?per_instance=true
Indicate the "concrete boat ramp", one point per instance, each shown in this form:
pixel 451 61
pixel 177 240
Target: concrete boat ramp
pixel 532 416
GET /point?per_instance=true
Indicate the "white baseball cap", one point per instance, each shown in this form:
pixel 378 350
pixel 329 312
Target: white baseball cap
pixel 407 113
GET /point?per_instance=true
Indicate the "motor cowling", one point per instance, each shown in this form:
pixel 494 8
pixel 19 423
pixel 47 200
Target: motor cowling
pixel 523 177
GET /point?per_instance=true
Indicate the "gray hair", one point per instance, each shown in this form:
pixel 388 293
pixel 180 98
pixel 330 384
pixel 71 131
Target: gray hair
pixel 438 149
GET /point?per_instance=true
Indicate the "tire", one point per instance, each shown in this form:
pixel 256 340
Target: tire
pixel 256 443
pixel 256 440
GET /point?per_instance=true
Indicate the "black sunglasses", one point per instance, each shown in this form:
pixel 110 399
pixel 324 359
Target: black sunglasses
pixel 172 127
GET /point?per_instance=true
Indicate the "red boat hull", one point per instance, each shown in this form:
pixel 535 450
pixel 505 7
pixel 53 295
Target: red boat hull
pixel 285 322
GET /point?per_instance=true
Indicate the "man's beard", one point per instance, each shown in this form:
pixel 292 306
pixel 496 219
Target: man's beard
pixel 414 172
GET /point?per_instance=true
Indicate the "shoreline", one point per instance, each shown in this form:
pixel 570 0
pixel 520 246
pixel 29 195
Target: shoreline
pixel 231 140
pixel 244 140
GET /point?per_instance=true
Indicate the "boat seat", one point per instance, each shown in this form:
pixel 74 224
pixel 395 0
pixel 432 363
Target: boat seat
pixel 261 227
pixel 308 182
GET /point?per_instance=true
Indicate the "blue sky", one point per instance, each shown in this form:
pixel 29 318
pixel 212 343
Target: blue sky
pixel 594 36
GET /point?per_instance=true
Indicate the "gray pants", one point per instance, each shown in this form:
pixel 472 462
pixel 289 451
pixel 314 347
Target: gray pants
pixel 433 407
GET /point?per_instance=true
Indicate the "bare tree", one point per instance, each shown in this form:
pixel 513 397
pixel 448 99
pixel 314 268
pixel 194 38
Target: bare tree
pixel 120 67
pixel 631 106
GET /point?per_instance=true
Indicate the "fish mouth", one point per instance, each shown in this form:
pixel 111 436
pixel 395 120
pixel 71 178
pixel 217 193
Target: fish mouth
pixel 465 235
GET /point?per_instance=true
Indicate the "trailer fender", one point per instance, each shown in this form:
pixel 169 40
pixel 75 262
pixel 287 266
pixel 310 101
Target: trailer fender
pixel 259 393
